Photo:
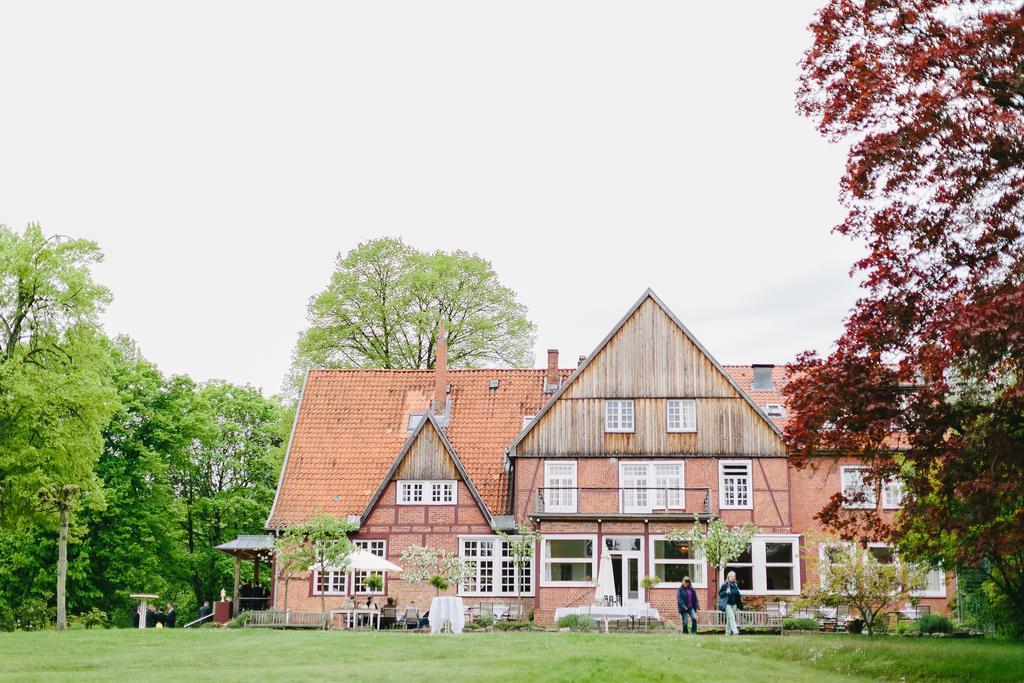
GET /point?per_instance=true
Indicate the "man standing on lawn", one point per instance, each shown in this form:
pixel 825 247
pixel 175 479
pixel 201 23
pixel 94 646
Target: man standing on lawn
pixel 688 604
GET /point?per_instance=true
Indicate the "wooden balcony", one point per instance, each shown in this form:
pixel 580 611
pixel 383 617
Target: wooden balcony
pixel 623 503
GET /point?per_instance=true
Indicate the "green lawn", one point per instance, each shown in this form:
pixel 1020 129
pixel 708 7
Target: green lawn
pixel 219 655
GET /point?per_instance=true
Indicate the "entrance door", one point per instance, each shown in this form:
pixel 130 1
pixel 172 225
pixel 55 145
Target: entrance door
pixel 626 554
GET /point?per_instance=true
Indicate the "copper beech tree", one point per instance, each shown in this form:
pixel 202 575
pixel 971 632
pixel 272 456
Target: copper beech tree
pixel 930 97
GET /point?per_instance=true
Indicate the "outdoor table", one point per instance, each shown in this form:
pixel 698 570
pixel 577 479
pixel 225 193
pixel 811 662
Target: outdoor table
pixel 606 613
pixel 446 609
pixel 351 615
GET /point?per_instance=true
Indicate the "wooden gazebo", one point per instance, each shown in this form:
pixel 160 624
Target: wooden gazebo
pixel 256 549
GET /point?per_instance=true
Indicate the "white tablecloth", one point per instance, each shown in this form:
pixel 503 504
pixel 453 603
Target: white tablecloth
pixel 446 608
pixel 606 613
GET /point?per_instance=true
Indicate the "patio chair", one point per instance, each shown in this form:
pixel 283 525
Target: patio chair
pixel 412 618
pixel 388 617
pixel 514 613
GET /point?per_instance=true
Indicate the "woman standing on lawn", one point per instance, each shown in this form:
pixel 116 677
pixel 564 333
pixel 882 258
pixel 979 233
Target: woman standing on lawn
pixel 688 604
pixel 730 600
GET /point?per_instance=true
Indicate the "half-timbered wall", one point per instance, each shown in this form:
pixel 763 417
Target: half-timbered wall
pixel 650 359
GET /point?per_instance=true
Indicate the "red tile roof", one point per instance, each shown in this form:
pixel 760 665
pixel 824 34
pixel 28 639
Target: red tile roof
pixel 352 424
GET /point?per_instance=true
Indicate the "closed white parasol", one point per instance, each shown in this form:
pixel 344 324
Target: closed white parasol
pixel 605 579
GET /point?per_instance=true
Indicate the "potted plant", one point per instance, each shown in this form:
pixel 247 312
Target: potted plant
pixel 649 582
pixel 374 583
pixel 438 582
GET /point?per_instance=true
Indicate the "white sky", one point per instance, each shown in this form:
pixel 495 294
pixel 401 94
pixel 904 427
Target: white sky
pixel 222 153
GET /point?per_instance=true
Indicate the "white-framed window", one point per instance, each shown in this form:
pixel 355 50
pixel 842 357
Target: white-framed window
pixel 330 582
pixel 618 415
pixel 671 560
pixel 427 492
pixel 892 495
pixel 647 486
pixel 769 565
pixel 378 548
pixel 854 486
pixel 775 410
pixel 569 560
pixel 735 482
pixel 559 486
pixel 834 553
pixel 681 414
pixel 494 571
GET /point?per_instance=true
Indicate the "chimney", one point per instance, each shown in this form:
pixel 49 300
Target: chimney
pixel 579 362
pixel 551 375
pixel 441 371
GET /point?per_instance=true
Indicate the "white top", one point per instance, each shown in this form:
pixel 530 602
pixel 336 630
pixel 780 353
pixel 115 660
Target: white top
pixel 446 608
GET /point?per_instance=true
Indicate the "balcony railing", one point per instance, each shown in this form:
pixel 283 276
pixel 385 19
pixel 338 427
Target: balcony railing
pixel 623 500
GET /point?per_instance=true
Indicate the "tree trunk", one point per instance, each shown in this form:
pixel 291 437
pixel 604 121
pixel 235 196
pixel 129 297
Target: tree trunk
pixel 62 570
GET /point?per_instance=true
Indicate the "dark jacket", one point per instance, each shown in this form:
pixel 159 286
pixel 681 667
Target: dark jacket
pixel 169 618
pixel 686 599
pixel 729 594
pixel 204 611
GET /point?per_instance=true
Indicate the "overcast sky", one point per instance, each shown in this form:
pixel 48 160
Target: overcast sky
pixel 222 154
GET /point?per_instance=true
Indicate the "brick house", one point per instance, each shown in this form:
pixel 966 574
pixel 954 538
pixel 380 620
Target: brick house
pixel 646 435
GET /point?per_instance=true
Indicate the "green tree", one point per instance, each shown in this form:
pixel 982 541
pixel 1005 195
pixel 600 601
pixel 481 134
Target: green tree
pixel 383 303
pixel 225 478
pixel 853 576
pixel 55 393
pixel 717 543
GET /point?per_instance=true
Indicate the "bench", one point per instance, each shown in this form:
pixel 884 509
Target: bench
pixel 291 619
pixel 745 619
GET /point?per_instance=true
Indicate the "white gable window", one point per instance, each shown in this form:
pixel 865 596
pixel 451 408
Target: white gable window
pixel 858 494
pixel 648 486
pixel 775 410
pixel 892 495
pixel 682 415
pixel 559 486
pixel 618 415
pixel 734 484
pixel 427 492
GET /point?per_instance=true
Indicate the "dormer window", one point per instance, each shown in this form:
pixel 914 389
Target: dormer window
pixel 681 414
pixel 618 416
pixel 762 378
pixel 775 410
pixel 426 493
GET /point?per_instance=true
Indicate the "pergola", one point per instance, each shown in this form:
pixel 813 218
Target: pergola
pixel 253 548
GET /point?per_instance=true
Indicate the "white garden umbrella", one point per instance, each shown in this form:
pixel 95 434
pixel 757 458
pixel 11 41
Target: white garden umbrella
pixel 368 562
pixel 605 578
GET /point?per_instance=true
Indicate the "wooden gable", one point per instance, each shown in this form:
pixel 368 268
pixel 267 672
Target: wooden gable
pixel 427 455
pixel 650 357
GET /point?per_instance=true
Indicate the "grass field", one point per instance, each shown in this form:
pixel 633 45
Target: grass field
pixel 223 655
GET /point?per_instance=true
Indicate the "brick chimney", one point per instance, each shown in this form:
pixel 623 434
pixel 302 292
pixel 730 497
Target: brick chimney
pixel 551 375
pixel 441 371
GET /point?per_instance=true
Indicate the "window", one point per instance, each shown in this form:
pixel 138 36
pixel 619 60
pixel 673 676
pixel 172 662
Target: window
pixel 935 579
pixel 735 485
pixel 762 378
pixel 857 493
pixel 618 416
pixel 646 486
pixel 672 560
pixel 330 582
pixel 682 415
pixel 427 492
pixel 359 576
pixel 559 486
pixel 775 410
pixel 568 561
pixel 769 565
pixel 892 494
pixel 494 571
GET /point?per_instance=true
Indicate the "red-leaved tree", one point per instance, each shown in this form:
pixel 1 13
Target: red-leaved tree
pixel 925 381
